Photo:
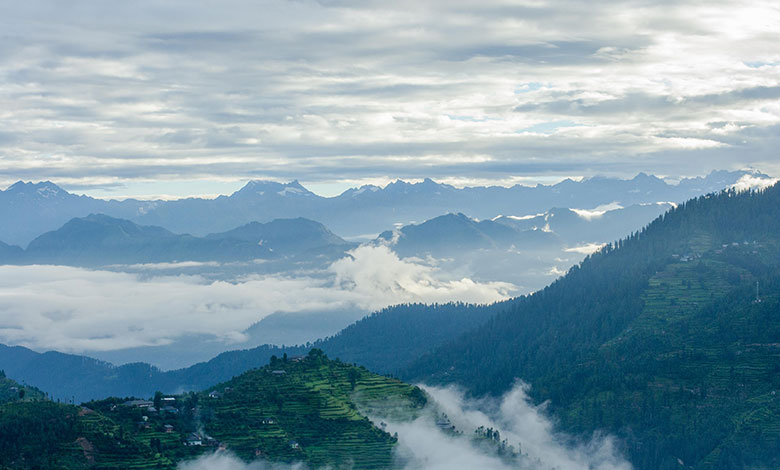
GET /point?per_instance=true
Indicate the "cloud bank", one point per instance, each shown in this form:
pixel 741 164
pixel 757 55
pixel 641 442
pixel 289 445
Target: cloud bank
pixel 76 310
pixel 151 94
pixel 524 426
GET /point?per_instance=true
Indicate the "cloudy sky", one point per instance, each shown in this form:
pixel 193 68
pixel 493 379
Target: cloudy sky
pixel 182 97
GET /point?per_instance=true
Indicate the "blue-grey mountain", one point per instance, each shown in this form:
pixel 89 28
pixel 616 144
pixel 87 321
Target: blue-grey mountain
pixel 31 209
pixel 101 240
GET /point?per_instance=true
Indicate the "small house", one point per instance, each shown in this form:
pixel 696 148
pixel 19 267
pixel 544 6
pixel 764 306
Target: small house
pixel 193 440
pixel 168 428
pixel 294 445
pixel 215 394
pixel 138 403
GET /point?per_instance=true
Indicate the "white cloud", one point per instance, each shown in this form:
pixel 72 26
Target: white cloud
pixel 77 310
pixel 225 461
pixel 751 182
pixel 587 249
pixel 524 426
pixel 590 214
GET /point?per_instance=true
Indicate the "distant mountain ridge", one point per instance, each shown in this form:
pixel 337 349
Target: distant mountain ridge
pixel 41 207
pixel 579 226
pixel 283 235
pixel 458 233
pixel 101 240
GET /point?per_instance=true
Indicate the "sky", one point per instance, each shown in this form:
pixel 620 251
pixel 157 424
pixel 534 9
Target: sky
pixel 184 98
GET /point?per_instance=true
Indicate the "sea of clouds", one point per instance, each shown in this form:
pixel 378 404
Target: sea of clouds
pixel 77 310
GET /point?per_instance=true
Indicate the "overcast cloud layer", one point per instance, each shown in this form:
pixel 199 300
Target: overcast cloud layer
pixel 77 310
pixel 104 94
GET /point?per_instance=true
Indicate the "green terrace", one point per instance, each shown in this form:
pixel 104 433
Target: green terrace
pixel 309 409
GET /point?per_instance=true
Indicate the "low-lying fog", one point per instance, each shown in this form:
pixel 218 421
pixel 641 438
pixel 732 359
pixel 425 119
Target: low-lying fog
pixel 101 312
pixel 423 445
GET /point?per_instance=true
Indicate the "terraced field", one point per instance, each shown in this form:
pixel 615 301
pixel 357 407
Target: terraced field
pixel 701 357
pixel 310 410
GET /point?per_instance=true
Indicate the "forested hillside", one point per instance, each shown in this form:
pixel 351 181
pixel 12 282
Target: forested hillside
pixel 659 338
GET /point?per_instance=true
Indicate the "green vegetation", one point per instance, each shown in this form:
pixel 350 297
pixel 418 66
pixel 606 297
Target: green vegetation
pixel 658 339
pixel 308 409
pixel 10 390
pixel 48 435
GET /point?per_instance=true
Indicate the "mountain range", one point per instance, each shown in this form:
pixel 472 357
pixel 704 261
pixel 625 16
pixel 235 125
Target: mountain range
pixel 35 208
pixel 101 240
pixel 454 234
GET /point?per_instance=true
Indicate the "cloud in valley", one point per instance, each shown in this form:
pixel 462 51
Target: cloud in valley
pixel 76 310
pixel 527 428
pixel 229 462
